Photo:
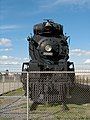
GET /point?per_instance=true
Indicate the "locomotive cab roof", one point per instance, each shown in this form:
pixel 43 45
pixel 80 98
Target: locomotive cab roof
pixel 48 28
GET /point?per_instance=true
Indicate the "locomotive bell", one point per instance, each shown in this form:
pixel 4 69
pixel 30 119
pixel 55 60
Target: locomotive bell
pixel 48 24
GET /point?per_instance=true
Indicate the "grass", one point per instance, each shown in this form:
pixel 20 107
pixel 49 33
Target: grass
pixel 5 118
pixel 16 92
pixel 76 112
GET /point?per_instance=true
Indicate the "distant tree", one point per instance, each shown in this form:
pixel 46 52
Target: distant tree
pixel 7 72
pixel 0 76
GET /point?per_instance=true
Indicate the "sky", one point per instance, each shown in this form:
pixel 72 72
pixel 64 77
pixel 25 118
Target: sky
pixel 17 18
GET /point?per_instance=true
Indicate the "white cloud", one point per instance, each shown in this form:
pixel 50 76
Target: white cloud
pixel 9 60
pixel 5 50
pixel 72 1
pixel 80 3
pixel 8 27
pixel 11 63
pixel 79 52
pixel 3 57
pixel 26 59
pixel 5 42
pixel 87 61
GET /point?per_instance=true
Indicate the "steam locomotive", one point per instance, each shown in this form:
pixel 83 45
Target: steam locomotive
pixel 48 51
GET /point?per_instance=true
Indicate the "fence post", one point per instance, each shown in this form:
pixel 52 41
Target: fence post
pixel 87 81
pixel 3 80
pixel 27 96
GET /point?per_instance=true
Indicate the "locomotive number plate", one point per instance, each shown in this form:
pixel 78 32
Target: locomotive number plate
pixel 48 53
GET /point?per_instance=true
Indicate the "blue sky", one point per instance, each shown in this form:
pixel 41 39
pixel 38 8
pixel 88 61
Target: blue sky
pixel 17 18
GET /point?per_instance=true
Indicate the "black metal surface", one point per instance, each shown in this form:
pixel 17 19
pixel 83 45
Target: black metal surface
pixel 49 51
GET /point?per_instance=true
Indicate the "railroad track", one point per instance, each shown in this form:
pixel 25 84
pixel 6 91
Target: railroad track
pixel 13 108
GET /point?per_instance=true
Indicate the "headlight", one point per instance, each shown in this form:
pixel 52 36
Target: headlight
pixel 71 66
pixel 48 48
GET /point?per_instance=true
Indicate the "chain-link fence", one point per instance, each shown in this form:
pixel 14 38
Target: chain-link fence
pixel 47 89
pixel 13 103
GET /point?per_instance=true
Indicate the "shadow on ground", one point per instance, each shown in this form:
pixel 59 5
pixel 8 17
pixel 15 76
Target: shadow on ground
pixel 80 95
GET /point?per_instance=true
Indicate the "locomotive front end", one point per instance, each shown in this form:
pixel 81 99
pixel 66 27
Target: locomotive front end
pixel 49 51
